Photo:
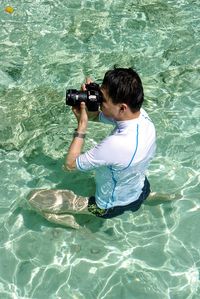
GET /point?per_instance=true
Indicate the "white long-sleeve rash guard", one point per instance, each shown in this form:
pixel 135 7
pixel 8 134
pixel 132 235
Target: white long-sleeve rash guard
pixel 121 160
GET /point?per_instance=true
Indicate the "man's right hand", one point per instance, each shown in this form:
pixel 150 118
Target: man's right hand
pixel 83 86
pixel 92 115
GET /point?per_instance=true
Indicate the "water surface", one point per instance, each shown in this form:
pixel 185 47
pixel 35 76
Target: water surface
pixel 48 46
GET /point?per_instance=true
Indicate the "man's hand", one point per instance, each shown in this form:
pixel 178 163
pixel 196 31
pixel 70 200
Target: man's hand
pixel 82 109
pixel 92 115
pixel 83 86
pixel 81 116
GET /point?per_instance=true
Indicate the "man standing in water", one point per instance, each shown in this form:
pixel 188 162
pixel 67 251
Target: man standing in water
pixel 120 160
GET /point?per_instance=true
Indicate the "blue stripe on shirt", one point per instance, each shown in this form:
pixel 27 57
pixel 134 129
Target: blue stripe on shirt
pixel 79 165
pixel 137 137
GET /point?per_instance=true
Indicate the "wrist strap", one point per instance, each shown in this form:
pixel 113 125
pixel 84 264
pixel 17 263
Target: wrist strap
pixel 77 134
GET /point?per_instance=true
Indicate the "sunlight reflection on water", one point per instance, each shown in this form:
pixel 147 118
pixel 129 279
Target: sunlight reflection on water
pixel 46 47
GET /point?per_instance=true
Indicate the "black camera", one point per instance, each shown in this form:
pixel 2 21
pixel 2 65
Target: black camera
pixel 92 97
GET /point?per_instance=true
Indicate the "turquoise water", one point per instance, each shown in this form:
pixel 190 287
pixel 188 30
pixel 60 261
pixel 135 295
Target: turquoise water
pixel 48 46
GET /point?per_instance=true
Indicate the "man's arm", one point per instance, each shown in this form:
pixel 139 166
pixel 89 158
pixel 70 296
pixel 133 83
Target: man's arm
pixel 74 151
pixel 78 141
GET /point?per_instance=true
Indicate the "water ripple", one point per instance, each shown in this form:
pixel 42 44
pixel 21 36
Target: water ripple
pixel 48 46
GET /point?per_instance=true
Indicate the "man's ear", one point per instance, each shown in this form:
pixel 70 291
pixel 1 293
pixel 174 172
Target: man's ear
pixel 123 107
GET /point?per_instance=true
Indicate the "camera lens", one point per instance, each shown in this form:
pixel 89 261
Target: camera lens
pixel 74 97
pixel 92 97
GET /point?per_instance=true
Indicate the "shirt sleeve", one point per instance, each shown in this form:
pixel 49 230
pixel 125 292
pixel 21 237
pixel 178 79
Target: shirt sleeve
pixel 98 156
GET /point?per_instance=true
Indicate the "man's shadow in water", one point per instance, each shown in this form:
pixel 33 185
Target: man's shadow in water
pixel 34 221
pixel 81 183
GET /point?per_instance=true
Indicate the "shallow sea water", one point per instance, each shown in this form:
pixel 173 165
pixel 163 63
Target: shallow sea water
pixel 48 46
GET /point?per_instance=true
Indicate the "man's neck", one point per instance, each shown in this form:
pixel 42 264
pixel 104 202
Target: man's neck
pixel 129 116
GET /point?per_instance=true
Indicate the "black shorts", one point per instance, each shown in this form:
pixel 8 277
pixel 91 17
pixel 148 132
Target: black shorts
pixel 118 210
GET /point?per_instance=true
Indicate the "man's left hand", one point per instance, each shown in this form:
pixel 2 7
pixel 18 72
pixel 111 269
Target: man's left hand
pixel 81 116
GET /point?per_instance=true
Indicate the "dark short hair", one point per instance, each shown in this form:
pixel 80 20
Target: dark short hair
pixel 124 86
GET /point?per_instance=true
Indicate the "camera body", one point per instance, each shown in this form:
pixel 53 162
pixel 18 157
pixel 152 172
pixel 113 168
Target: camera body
pixel 92 97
